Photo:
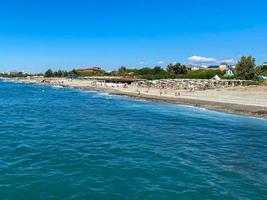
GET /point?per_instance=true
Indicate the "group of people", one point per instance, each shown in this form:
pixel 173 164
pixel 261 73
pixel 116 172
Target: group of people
pixel 109 85
pixel 161 92
pixel 104 84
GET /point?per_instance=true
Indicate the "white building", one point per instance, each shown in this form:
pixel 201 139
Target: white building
pixel 195 68
pixel 229 72
pixel 204 66
pixel 232 66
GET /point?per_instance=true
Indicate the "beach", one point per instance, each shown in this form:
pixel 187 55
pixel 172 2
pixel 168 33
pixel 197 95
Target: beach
pixel 245 100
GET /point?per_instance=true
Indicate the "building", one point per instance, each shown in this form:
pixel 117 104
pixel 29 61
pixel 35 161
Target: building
pixel 223 66
pixel 214 67
pixel 91 70
pixel 231 66
pixel 264 64
pixel 195 68
pixel 229 72
pixel 204 66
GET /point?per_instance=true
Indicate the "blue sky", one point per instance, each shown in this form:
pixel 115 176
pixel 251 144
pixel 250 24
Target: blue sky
pixel 36 35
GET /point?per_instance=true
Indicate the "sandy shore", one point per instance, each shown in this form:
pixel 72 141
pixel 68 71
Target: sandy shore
pixel 249 100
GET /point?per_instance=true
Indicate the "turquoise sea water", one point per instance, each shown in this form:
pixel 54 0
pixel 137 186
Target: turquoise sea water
pixel 70 144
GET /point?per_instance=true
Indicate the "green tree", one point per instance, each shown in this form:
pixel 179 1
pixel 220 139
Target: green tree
pixel 263 68
pixel 48 73
pixel 55 74
pixel 145 71
pixel 59 73
pixel 122 71
pixel 158 70
pixel 65 73
pixel 177 69
pixel 245 67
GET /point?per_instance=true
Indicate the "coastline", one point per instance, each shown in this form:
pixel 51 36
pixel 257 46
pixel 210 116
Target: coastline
pixel 248 110
pixel 195 101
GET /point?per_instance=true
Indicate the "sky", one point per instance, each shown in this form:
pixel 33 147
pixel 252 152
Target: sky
pixel 65 34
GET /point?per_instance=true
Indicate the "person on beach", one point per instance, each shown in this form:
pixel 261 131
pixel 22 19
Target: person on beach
pixel 160 92
pixel 177 93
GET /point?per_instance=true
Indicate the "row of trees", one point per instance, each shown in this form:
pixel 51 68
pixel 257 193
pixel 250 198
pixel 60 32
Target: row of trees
pixel 59 73
pixel 245 69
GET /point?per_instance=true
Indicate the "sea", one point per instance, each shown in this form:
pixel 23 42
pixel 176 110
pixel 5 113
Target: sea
pixel 65 143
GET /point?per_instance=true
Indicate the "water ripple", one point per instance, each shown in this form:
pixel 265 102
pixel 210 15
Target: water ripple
pixel 71 144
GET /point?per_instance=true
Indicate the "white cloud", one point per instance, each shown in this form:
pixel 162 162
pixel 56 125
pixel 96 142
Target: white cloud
pixel 228 61
pixel 201 59
pixel 161 62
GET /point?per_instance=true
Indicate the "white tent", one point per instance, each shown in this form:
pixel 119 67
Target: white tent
pixel 217 78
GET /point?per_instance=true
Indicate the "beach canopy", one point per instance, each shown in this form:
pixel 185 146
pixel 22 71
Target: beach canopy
pixel 261 77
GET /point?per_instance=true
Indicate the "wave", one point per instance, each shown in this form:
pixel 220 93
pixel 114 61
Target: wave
pixel 57 86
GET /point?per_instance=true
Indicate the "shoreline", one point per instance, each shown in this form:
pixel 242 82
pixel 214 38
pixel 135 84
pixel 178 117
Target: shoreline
pixel 227 107
pixel 247 110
